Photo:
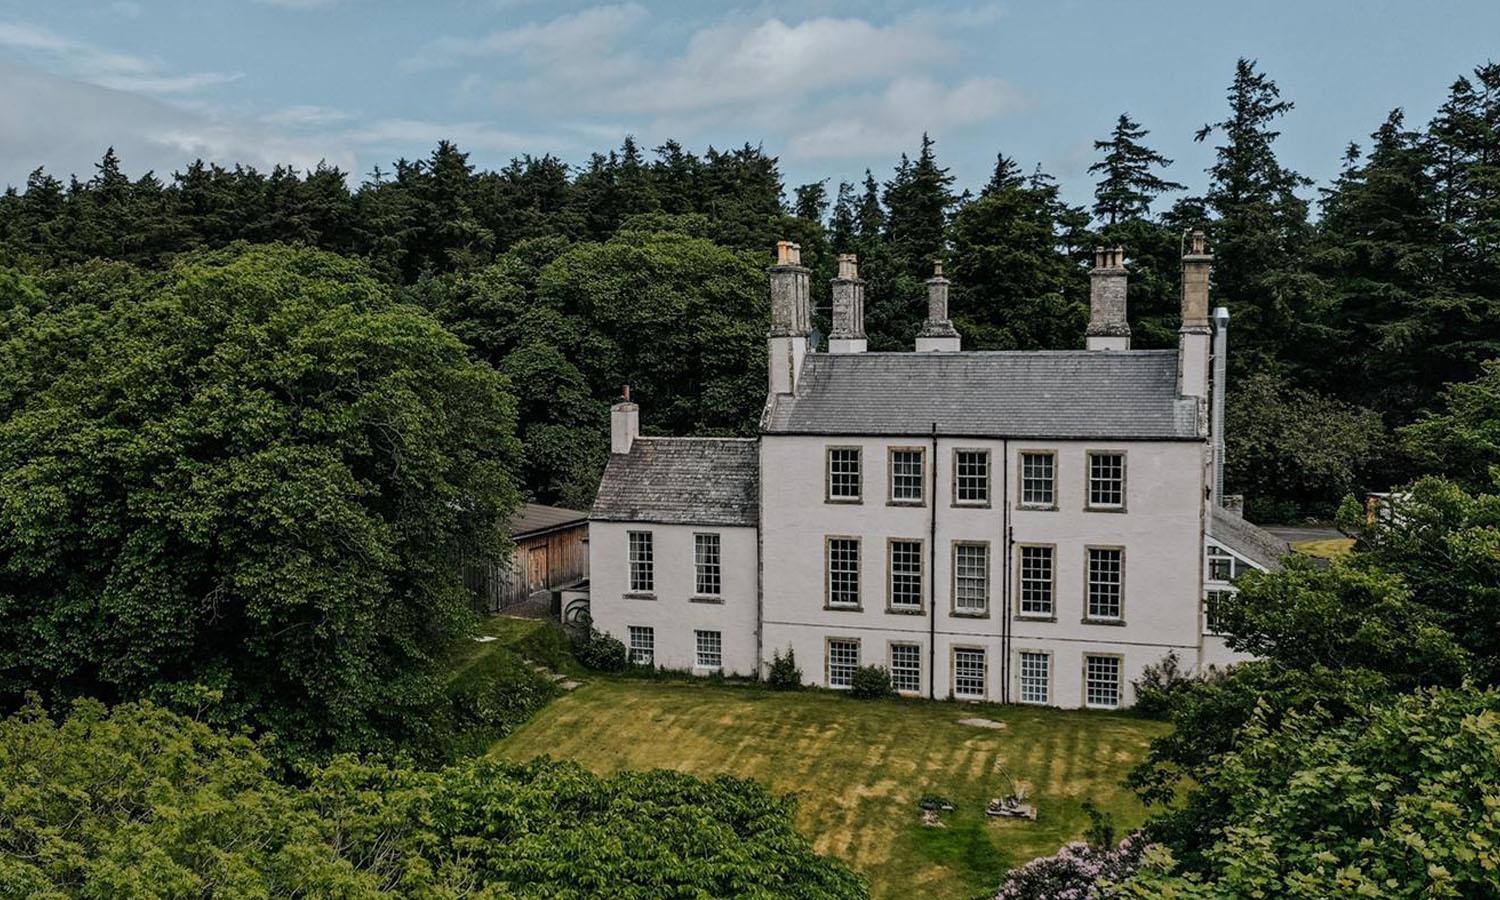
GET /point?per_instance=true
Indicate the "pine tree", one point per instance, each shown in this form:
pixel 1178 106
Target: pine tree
pixel 844 224
pixel 1128 185
pixel 812 201
pixel 918 201
pixel 869 214
pixel 1261 226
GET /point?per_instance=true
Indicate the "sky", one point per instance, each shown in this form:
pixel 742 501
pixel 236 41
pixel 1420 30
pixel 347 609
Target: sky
pixel 830 87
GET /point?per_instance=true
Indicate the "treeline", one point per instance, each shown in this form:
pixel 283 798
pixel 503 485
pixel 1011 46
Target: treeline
pixel 1353 303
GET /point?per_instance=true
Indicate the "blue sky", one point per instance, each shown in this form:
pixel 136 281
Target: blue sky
pixel 829 87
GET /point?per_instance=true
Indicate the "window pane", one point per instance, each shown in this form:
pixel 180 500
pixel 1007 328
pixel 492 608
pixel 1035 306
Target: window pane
pixel 1036 581
pixel 1102 685
pixel 906 667
pixel 906 574
pixel 1107 479
pixel 642 645
pixel 843 572
pixel 1036 677
pixel 906 475
pixel 972 470
pixel 843 473
pixel 1106 573
pixel 642 565
pixel 710 649
pixel 968 672
pixel 971 577
pixel 843 659
pixel 709 576
pixel 1037 479
pixel 1211 602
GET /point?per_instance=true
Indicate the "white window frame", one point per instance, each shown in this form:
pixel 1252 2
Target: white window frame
pixel 641 554
pixel 1238 565
pixel 958 654
pixel 1051 480
pixel 1120 481
pixel 977 483
pixel 900 672
pixel 1090 584
pixel 714 653
pixel 911 582
pixel 642 652
pixel 846 575
pixel 708 564
pixel 1026 675
pixel 1026 580
pixel 964 581
pixel 1211 598
pixel 1117 663
pixel 845 666
pixel 836 466
pixel 920 497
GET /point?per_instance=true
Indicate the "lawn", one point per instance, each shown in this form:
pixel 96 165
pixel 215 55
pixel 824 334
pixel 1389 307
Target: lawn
pixel 1327 548
pixel 859 768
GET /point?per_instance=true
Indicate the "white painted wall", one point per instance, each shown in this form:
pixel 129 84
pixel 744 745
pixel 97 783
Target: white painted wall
pixel 1161 531
pixel 672 609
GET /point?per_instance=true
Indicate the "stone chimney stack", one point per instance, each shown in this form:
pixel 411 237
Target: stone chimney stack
pixel 848 334
pixel 791 317
pixel 937 332
pixel 624 424
pixel 1221 378
pixel 1196 334
pixel 1109 329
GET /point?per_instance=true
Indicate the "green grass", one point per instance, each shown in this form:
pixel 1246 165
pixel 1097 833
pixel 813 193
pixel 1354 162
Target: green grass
pixel 859 768
pixel 1326 548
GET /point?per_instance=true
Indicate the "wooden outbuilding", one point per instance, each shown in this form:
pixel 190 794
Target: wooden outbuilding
pixel 551 553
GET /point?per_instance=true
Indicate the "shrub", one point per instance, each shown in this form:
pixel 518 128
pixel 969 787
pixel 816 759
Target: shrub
pixel 491 699
pixel 871 683
pixel 601 652
pixel 1158 684
pixel 784 674
pixel 1076 870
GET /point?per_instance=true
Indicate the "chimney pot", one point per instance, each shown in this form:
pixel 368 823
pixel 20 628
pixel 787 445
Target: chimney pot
pixel 788 253
pixel 848 266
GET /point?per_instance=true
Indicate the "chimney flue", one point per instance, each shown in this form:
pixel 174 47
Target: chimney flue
pixel 791 317
pixel 1195 335
pixel 937 332
pixel 1109 327
pixel 848 292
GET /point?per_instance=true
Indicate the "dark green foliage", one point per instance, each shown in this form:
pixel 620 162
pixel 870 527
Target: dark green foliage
pixel 1398 803
pixel 1101 832
pixel 1127 184
pixel 243 482
pixel 784 675
pixel 491 698
pixel 1461 439
pixel 1159 683
pixel 1293 444
pixel 600 651
pixel 139 802
pixel 870 683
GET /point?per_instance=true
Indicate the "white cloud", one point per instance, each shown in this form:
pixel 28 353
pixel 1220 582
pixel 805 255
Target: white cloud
pixel 103 67
pixel 468 136
pixel 589 33
pixel 301 4
pixel 127 8
pixel 306 116
pixel 893 120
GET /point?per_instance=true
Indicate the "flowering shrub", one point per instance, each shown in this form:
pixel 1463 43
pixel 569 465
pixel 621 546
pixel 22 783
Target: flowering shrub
pixel 1077 872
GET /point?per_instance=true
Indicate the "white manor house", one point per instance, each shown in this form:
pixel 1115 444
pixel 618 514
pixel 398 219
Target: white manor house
pixel 1018 527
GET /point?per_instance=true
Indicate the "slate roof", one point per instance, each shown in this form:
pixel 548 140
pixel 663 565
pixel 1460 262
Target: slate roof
pixel 1248 540
pixel 1127 395
pixel 687 481
pixel 535 517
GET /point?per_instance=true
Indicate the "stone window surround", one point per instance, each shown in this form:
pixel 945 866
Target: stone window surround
pixel 989 480
pixel 859 466
pixel 1088 482
pixel 1021 480
pixel 890 476
pixel 1052 584
pixel 828 643
pixel 890 576
pixel 1021 653
pixel 984 655
pixel 890 656
pixel 828 603
pixel 953 608
pixel 1119 659
pixel 1088 583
